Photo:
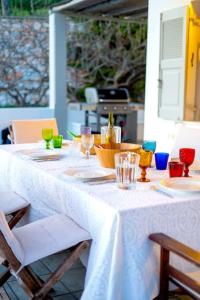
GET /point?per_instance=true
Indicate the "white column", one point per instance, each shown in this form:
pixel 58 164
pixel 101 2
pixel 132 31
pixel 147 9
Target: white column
pixel 57 68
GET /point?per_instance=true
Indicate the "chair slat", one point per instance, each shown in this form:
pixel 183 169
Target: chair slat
pixel 169 273
pixel 184 278
pixel 176 247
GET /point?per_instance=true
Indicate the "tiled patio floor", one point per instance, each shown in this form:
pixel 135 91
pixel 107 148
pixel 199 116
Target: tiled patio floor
pixel 68 288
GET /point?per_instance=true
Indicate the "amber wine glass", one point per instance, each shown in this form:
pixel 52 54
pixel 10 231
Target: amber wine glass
pixel 47 134
pixel 144 163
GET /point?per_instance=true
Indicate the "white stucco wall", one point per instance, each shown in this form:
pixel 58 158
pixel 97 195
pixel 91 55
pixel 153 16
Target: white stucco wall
pixel 155 128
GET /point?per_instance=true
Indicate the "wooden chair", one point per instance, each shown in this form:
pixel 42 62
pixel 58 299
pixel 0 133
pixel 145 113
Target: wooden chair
pixel 11 136
pixel 30 131
pixel 13 206
pixel 189 283
pixel 27 244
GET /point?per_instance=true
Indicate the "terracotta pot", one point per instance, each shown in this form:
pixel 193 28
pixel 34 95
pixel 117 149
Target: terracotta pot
pixel 106 152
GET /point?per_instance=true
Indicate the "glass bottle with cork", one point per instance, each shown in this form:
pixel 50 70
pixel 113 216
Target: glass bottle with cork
pixel 110 134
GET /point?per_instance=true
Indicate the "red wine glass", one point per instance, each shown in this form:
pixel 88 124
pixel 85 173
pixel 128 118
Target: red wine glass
pixel 186 156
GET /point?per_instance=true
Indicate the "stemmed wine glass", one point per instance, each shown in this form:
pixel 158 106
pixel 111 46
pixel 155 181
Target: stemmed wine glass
pixel 47 134
pixel 186 156
pixel 144 163
pixel 87 140
pixel 149 145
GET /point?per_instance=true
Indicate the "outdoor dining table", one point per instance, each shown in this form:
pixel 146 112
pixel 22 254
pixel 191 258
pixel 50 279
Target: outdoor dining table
pixel 123 263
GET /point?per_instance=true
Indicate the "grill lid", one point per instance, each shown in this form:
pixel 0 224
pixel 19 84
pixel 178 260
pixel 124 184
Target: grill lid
pixel 94 95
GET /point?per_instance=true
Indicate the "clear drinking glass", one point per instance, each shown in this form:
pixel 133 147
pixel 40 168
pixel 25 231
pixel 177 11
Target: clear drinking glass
pixel 104 134
pixel 126 165
pixel 87 141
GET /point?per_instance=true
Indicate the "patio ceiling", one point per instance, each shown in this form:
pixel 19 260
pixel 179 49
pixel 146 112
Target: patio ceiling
pixel 115 8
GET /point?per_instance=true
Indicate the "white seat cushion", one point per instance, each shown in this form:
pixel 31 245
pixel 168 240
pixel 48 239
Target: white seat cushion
pixel 11 202
pixel 47 236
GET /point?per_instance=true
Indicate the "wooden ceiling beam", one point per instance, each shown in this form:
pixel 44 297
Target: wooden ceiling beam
pixel 107 7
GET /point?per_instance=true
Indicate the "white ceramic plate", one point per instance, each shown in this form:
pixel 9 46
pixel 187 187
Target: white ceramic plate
pixel 40 154
pixel 195 167
pixel 46 157
pixel 89 174
pixel 180 186
pixel 64 142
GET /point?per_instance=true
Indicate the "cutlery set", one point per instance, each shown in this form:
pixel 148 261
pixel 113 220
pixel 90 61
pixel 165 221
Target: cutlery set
pixel 99 181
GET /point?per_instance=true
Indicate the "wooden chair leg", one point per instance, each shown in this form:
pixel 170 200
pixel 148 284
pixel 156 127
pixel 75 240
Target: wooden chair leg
pixel 39 281
pixel 17 216
pixel 164 278
pixel 28 282
pixel 55 277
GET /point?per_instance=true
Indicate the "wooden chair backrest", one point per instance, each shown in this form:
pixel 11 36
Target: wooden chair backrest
pixel 170 273
pixel 30 131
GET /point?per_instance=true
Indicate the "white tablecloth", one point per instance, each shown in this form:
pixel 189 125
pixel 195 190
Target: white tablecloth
pixel 123 264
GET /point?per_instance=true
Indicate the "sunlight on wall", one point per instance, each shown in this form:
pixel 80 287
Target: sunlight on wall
pixel 193 46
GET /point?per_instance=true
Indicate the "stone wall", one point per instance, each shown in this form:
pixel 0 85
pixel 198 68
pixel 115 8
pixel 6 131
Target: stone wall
pixel 24 62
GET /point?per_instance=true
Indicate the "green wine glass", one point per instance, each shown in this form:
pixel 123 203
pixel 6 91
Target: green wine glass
pixel 47 134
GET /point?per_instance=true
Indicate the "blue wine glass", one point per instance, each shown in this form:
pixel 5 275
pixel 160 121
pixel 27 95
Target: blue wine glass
pixel 149 145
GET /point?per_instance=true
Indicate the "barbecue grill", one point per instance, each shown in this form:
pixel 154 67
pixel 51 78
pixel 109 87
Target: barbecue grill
pixel 100 102
pixel 114 101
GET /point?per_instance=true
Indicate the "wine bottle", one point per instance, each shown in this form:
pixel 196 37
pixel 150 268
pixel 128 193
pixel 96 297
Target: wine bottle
pixel 110 134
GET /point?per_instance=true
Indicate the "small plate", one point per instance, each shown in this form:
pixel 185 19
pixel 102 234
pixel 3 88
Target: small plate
pixel 180 186
pixel 89 174
pixel 64 142
pixel 46 157
pixel 195 167
pixel 40 154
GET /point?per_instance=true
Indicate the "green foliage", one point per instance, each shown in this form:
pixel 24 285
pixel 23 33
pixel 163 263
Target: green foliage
pixel 22 8
pixel 100 53
pixel 106 54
